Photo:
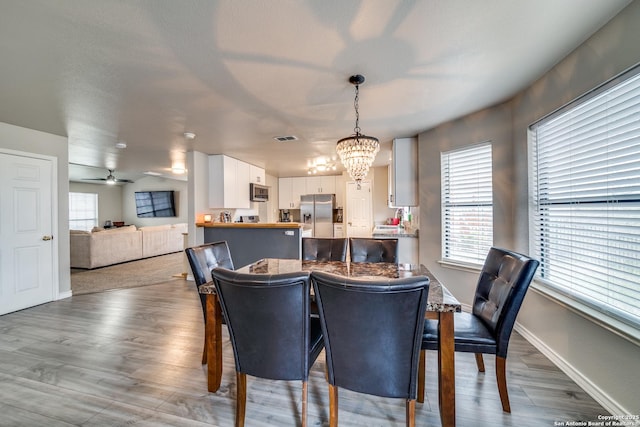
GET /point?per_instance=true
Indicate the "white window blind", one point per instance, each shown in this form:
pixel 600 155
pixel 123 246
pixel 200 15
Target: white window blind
pixel 83 211
pixel 467 204
pixel 585 187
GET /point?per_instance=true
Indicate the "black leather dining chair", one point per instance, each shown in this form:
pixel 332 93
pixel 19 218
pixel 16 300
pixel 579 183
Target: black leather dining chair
pixel 501 288
pixel 372 333
pixel 272 332
pixel 324 249
pixel 202 260
pixel 373 250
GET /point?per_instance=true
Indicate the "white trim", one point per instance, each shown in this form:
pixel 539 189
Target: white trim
pixel 582 381
pixel 462 266
pixel 55 270
pixel 65 294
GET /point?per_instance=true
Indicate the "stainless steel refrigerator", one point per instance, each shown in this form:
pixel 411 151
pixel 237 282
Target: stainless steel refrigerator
pixel 316 211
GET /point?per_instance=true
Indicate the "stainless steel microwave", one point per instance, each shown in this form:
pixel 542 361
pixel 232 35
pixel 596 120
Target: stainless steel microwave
pixel 258 193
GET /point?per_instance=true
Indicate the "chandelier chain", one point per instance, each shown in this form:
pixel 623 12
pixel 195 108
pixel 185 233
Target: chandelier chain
pixel 355 105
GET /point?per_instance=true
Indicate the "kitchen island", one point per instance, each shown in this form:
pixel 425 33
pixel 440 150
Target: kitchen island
pixel 249 242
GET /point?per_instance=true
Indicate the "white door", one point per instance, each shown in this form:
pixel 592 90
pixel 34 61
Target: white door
pixel 26 224
pixel 359 209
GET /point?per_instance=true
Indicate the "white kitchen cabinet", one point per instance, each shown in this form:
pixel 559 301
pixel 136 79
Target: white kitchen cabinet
pixel 228 183
pixel 403 173
pixel 338 230
pixel 243 179
pixel 284 193
pixel 257 175
pixel 408 250
pixel 289 192
pixel 325 184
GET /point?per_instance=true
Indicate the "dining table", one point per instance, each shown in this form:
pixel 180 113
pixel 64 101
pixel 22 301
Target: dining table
pixel 441 305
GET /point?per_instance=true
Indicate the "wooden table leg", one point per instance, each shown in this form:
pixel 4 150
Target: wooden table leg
pixel 213 332
pixel 446 370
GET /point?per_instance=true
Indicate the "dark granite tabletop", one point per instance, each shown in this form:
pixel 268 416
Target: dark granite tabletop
pixel 439 300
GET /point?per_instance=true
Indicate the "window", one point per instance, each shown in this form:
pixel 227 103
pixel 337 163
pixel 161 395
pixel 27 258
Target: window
pixel 467 204
pixel 585 206
pixel 83 211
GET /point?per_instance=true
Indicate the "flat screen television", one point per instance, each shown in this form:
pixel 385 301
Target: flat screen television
pixel 151 204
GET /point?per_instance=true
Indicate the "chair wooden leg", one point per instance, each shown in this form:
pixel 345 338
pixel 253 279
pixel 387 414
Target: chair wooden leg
pixel 204 351
pixel 304 403
pixel 411 413
pixel 422 367
pixel 480 362
pixel 501 377
pixel 241 398
pixel 333 406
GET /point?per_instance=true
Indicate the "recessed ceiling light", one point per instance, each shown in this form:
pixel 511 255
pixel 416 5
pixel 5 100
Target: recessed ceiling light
pixel 121 144
pixel 189 135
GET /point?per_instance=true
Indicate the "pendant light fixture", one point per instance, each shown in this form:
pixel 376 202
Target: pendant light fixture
pixel 357 152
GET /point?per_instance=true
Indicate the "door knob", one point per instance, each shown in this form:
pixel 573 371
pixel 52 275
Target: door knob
pixel 45 238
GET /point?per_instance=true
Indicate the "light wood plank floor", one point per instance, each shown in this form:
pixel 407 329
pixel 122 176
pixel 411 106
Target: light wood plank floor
pixel 132 357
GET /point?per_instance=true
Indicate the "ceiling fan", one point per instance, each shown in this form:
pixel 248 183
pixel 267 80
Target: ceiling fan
pixel 110 179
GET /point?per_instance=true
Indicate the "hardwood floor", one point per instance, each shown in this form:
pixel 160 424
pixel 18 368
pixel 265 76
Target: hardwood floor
pixel 132 357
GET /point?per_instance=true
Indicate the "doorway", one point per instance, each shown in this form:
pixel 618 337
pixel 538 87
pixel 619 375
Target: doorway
pixel 359 209
pixel 27 267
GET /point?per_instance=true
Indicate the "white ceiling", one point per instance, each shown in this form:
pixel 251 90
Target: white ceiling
pixel 239 72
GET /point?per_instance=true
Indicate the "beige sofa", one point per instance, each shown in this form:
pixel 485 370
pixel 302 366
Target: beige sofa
pixel 100 248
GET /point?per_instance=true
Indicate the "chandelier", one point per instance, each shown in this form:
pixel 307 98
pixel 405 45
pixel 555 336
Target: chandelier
pixel 357 152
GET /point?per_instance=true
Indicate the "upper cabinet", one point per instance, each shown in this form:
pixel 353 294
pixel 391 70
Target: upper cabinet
pixel 229 180
pixel 320 184
pixel 289 192
pixel 403 173
pixel 290 189
pixel 257 175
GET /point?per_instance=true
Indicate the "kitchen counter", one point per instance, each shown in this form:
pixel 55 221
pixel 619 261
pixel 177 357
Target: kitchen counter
pixel 250 225
pixel 392 232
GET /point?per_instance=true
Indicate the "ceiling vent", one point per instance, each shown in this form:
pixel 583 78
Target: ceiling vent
pixel 285 138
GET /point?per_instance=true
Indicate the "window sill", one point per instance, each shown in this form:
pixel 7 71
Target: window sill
pixel 600 318
pixel 459 265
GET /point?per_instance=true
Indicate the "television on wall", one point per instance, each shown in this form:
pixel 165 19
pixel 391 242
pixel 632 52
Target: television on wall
pixel 151 204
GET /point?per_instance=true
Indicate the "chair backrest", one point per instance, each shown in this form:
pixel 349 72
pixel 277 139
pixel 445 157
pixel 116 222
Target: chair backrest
pixel 372 332
pixel 373 250
pixel 204 258
pixel 269 322
pixel 324 249
pixel 502 285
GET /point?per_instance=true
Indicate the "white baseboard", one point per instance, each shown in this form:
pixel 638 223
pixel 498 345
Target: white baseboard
pixel 63 295
pixel 585 383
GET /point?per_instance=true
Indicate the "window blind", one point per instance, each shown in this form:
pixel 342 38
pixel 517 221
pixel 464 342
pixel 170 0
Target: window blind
pixel 467 204
pixel 585 213
pixel 83 211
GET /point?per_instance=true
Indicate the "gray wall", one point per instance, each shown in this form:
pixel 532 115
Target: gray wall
pixel 600 360
pixel 117 203
pixel 32 141
pixel 109 199
pixel 152 183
